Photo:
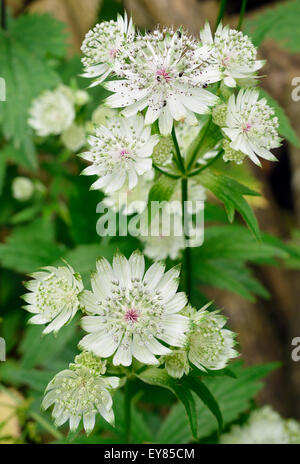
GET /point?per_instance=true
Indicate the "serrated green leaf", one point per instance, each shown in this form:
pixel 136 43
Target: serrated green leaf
pixel 209 135
pixel 231 193
pixel 159 377
pixel 205 395
pixel 232 395
pixel 27 73
pixel 280 23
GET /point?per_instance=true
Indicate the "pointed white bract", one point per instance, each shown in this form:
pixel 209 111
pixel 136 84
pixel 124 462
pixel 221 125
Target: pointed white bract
pixel 131 201
pixel 105 48
pixel 80 393
pixel 210 344
pixel 167 73
pixel 251 126
pixel 132 312
pixel 233 53
pixel 53 297
pixel 120 152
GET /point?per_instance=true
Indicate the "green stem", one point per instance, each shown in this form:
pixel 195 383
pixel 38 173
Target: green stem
pixel 179 158
pixel 197 171
pixel 3 15
pixel 221 12
pixel 127 410
pixel 187 250
pixel 242 14
pixel 166 173
pixel 193 157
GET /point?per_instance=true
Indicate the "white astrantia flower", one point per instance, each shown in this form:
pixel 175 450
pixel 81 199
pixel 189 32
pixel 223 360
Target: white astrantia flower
pixel 251 126
pixel 22 188
pixel 52 112
pixel 165 238
pixel 131 201
pixel 80 393
pixel 119 152
pixel 176 363
pixel 53 296
pixel 167 72
pixel 73 137
pixel 132 311
pixel 105 47
pixel 264 426
pixel 210 345
pixel 232 52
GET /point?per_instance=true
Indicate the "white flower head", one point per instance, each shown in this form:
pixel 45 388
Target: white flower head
pixel 176 363
pixel 105 47
pixel 22 188
pixel 131 201
pixel 251 126
pixel 132 310
pixel 165 71
pixel 120 151
pixel 210 345
pixel 79 393
pixel 165 238
pixel 232 52
pixel 73 137
pixel 264 426
pixel 53 297
pixel 52 112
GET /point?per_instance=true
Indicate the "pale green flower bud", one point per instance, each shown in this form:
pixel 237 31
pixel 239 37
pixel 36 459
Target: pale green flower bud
pixel 81 97
pixel 231 154
pixel 96 365
pixel 102 114
pixel 22 188
pixel 219 114
pixel 163 150
pixel 177 364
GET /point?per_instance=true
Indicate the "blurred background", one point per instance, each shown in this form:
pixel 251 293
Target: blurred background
pixel 265 327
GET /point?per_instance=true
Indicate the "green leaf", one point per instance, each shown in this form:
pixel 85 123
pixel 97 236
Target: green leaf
pixel 159 377
pixel 201 390
pixel 285 128
pixel 27 73
pixel 231 193
pixel 280 23
pixel 12 373
pixel 30 247
pixel 233 396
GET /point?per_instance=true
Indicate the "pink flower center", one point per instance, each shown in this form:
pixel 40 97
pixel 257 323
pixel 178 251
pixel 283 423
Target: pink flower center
pixel 247 127
pixel 131 315
pixel 124 152
pixel 113 52
pixel 162 73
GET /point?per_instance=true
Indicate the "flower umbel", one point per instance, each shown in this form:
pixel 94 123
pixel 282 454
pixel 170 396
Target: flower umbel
pixel 120 151
pixel 104 47
pixel 131 310
pixel 79 393
pixel 232 52
pixel 167 72
pixel 53 297
pixel 251 126
pixel 176 363
pixel 210 345
pixel 52 112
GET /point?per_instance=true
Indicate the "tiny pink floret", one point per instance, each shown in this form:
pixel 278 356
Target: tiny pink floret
pixel 131 315
pixel 163 73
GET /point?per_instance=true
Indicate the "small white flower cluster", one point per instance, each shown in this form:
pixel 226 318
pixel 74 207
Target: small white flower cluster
pixel 22 188
pixel 170 75
pixel 130 314
pixel 81 392
pixel 54 113
pixel 265 427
